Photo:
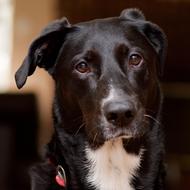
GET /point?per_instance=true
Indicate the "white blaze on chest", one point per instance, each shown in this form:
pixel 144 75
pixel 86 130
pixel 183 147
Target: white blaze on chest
pixel 111 167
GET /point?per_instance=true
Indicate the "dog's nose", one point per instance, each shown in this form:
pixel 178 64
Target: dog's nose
pixel 118 113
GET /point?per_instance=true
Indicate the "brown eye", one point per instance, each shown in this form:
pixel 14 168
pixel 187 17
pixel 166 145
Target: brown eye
pixel 135 59
pixel 82 67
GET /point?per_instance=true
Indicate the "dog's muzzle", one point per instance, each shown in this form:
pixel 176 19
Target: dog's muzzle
pixel 119 116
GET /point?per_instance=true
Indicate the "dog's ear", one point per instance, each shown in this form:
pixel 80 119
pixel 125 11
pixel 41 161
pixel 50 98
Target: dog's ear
pixel 43 51
pixel 153 33
pixel 157 38
pixel 132 14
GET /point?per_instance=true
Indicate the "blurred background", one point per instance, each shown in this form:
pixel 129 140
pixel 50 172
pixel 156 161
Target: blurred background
pixel 25 115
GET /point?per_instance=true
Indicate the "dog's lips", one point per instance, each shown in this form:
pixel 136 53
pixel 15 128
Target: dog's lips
pixel 113 133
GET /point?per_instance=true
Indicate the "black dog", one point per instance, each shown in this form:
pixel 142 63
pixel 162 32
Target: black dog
pixel 107 103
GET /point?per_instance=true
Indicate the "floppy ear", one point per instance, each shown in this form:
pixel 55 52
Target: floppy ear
pixel 43 51
pixel 132 14
pixel 158 40
pixel 153 33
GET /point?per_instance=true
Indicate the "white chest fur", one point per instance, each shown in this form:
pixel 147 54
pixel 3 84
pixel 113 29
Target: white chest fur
pixel 111 167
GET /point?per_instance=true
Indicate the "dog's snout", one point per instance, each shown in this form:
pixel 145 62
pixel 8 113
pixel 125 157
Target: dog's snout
pixel 118 113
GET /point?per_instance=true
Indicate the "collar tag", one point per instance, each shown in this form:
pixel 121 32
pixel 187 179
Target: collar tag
pixel 61 176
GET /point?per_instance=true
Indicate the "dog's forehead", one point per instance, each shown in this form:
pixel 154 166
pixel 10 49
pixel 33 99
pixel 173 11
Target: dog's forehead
pixel 106 27
pixel 106 33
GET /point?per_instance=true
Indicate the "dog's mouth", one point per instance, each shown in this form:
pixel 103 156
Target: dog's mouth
pixel 113 133
pixel 99 135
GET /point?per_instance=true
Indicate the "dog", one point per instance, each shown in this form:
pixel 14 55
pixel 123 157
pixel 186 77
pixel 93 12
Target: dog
pixel 107 103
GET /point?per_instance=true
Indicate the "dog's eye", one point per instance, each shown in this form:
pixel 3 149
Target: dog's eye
pixel 82 67
pixel 135 59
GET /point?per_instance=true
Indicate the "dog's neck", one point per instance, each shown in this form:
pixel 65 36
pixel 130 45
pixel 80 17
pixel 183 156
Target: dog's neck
pixel 111 167
pixel 108 167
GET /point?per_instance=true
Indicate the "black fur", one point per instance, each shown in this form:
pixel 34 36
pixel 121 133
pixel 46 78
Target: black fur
pixel 102 49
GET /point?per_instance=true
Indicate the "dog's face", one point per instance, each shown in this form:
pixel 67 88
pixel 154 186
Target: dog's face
pixel 106 73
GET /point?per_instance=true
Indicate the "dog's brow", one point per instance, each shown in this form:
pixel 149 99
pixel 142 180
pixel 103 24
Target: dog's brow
pixel 90 54
pixel 122 48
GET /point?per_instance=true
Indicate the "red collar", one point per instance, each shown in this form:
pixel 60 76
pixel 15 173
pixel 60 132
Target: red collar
pixel 60 177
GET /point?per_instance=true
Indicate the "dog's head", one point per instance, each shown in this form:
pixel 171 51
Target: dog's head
pixel 106 73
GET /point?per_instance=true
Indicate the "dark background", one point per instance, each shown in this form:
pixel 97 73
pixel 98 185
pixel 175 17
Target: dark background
pixel 17 112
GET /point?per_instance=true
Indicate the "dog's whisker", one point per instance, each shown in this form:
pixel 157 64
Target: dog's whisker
pixel 95 137
pixel 82 125
pixel 91 131
pixel 154 119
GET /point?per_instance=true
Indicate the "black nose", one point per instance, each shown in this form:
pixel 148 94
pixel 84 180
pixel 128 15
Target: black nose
pixel 118 113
